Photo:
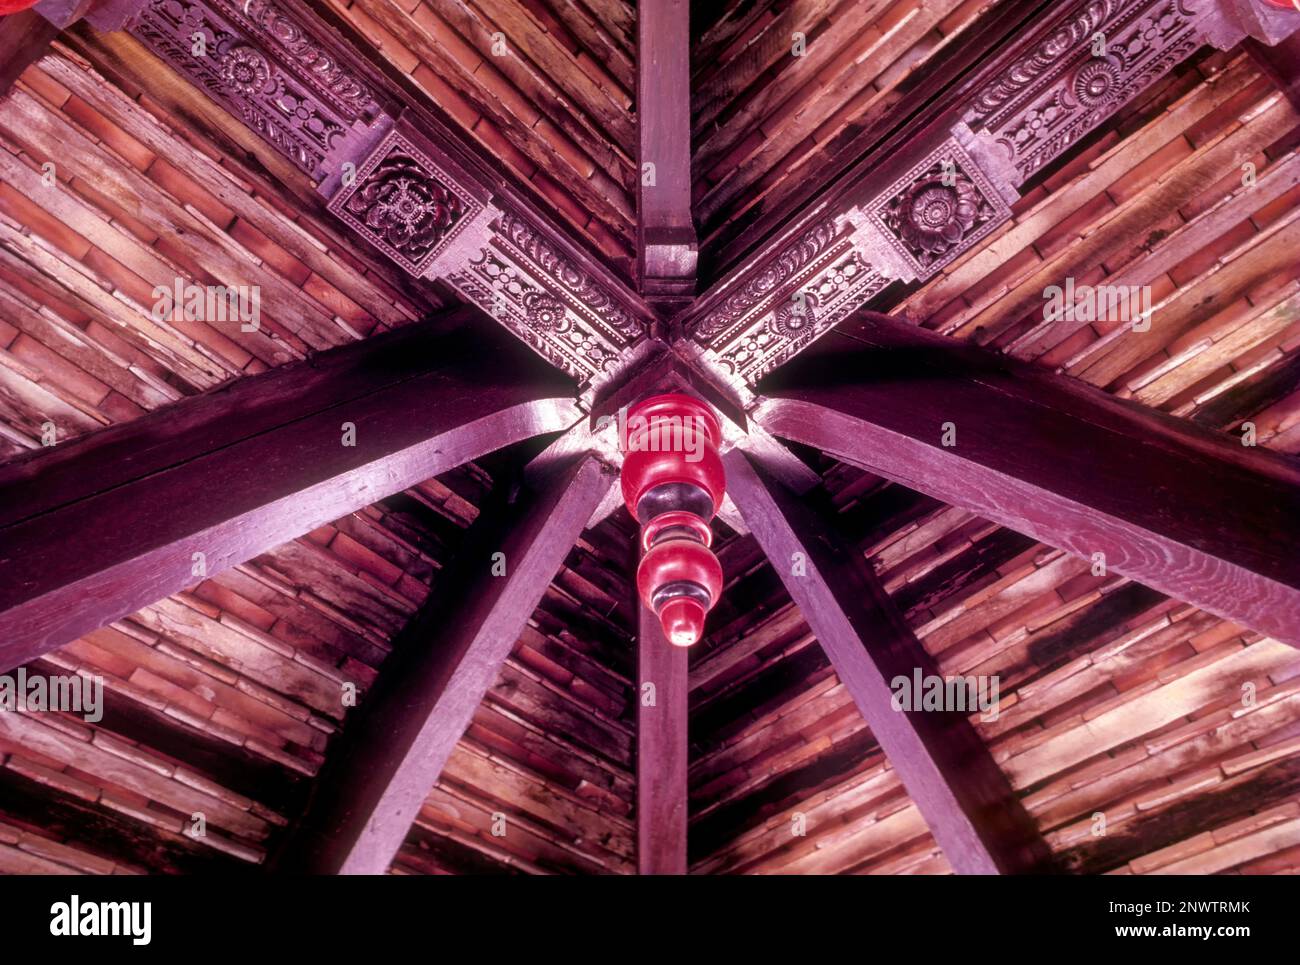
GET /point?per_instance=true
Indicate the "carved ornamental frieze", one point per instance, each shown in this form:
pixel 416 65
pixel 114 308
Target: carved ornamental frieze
pixel 1093 61
pixel 390 184
pixel 1034 105
pixel 926 217
pixel 519 277
pixel 268 69
pixel 434 220
pixel 804 289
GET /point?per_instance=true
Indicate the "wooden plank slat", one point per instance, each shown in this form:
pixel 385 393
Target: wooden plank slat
pixel 948 772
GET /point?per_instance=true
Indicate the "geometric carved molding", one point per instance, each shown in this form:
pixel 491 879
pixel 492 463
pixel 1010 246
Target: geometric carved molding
pixel 284 81
pixel 281 71
pixel 523 278
pixel 798 293
pixel 404 204
pixel 1035 101
pixel 1053 96
pixel 937 209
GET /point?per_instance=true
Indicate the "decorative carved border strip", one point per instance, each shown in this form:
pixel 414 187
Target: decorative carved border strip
pixel 929 215
pixel 232 56
pixel 541 295
pixel 403 193
pixel 1035 104
pixel 329 76
pixel 1050 99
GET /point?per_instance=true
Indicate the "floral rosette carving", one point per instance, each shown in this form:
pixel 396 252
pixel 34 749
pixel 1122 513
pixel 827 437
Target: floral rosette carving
pixel 931 217
pixel 405 208
pixel 544 313
pixel 795 317
pixel 1096 82
pixel 245 70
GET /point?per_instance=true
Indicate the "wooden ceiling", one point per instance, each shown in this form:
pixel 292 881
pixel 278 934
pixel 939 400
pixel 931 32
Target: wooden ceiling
pixel 556 109
pixel 223 700
pixel 764 121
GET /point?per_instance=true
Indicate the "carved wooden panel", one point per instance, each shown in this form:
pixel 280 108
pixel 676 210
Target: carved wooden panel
pixel 940 208
pixel 1037 101
pixel 936 209
pixel 404 204
pixel 268 69
pixel 1095 59
pixel 798 293
pixel 523 280
pixel 436 221
pixel 309 99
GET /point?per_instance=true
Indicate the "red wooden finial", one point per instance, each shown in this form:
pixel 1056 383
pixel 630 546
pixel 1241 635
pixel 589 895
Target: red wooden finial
pixel 1285 4
pixel 673 484
pixel 13 6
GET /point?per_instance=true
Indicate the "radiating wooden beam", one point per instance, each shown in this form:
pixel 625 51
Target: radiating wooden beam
pixel 666 241
pixel 97 527
pixel 661 749
pixel 948 772
pixel 1190 512
pixel 24 39
pixel 1280 63
pixel 378 775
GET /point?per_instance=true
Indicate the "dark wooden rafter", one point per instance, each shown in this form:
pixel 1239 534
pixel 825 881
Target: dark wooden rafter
pixel 1192 513
pixel 983 137
pixel 1280 63
pixel 945 767
pixel 25 36
pixel 24 39
pixel 662 749
pixel 666 242
pixel 243 468
pixel 390 757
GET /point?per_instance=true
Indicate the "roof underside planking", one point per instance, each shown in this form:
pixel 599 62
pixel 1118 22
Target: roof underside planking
pixel 224 698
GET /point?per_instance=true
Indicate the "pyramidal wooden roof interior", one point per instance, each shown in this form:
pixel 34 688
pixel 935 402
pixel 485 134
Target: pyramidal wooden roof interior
pixel 836 221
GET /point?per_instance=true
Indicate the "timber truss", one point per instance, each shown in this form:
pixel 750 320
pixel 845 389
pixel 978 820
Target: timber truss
pixel 781 347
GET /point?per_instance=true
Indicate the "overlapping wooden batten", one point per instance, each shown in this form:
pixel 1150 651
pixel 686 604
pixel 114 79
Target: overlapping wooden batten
pixel 226 691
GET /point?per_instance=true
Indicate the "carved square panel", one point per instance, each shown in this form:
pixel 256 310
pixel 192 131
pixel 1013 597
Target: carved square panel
pixel 938 210
pixel 405 204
